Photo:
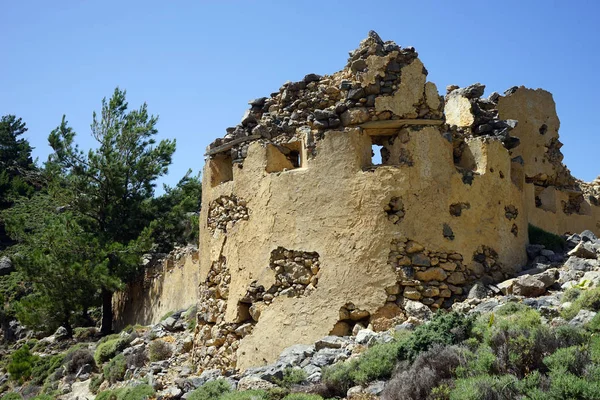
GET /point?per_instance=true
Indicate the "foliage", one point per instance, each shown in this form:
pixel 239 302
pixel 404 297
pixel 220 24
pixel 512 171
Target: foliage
pixel 42 397
pixel 109 188
pixel 139 392
pixel 302 396
pixel 62 262
pixel 177 210
pixel 12 396
pixel 159 350
pixel 77 358
pixel 115 369
pixel 429 370
pixel 20 364
pixel 547 239
pixel 571 294
pixel 211 390
pixel 243 395
pixel 589 299
pixel 445 328
pixel 109 348
pixel 292 376
pixel 485 387
pixel 95 383
pixel 43 367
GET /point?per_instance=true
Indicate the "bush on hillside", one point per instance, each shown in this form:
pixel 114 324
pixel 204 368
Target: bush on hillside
pixel 43 367
pixel 115 369
pixel 159 350
pixel 139 392
pixel 429 370
pixel 77 358
pixel 12 396
pixel 109 348
pixel 589 299
pixel 211 390
pixel 20 365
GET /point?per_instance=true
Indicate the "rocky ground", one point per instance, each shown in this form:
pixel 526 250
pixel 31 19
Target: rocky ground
pixel 162 356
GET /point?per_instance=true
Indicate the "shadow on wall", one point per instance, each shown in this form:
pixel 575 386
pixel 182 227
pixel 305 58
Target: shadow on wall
pixel 168 284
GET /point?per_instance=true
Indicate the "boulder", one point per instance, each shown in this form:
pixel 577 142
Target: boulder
pixel 417 310
pixel 478 291
pixel 534 285
pixel 365 336
pixel 6 266
pixel 294 355
pixel 332 342
pixel 584 250
pixel 582 318
pixel 254 383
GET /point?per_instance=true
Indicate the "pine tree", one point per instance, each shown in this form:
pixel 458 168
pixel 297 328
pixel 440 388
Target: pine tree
pixel 109 188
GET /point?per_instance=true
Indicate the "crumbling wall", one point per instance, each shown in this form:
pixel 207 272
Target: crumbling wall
pixel 320 237
pixel 169 283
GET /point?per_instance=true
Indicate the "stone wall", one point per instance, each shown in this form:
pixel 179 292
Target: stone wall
pixel 313 235
pixel 169 283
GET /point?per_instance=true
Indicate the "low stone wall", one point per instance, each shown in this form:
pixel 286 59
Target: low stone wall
pixel 169 283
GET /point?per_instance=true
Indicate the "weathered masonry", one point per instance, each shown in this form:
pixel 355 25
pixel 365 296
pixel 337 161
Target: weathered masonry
pixel 340 198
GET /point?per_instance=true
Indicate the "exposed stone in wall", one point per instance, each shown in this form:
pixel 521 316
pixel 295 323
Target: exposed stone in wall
pixel 296 275
pixel 573 205
pixel 296 272
pixel 395 210
pixel 511 212
pixel 456 209
pixel 485 264
pixel 427 276
pixel 225 212
pixel 218 340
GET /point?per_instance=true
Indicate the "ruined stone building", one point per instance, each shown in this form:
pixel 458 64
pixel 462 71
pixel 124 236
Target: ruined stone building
pixel 343 199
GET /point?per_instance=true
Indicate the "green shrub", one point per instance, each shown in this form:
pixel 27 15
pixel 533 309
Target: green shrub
pixel 43 367
pixel 547 239
pixel 115 369
pixel 84 334
pixel 594 324
pixel 12 396
pixel 480 362
pixel 77 358
pixel 429 370
pixel 42 397
pixel 109 348
pixel 167 315
pixel 569 386
pixel 139 392
pixel 95 383
pixel 302 396
pixel 377 362
pixel 571 294
pixel 340 377
pixel 445 328
pixel 511 308
pixel 292 376
pixel 244 395
pixel 572 359
pixel 211 390
pixel 20 364
pixel 485 387
pixel 589 299
pixel 159 350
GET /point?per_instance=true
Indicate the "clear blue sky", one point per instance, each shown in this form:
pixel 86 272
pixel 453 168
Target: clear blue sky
pixel 197 63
